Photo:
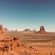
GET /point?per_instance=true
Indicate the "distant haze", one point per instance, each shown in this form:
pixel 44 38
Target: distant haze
pixel 31 14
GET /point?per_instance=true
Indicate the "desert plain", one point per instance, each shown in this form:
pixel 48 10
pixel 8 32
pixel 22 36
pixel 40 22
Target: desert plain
pixel 27 42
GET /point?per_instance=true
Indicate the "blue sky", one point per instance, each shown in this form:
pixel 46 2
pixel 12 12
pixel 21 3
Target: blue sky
pixel 21 14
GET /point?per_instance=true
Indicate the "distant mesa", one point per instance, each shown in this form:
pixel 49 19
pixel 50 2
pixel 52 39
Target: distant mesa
pixel 42 30
pixel 27 30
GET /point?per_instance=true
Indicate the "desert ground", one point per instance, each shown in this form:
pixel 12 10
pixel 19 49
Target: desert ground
pixel 27 42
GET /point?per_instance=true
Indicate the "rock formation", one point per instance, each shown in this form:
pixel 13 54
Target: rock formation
pixel 27 30
pixel 42 30
pixel 1 32
pixel 1 29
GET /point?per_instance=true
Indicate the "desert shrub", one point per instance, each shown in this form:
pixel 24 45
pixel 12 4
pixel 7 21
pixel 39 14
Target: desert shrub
pixel 30 47
pixel 6 48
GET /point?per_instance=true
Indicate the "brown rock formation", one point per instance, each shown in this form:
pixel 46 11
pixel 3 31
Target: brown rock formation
pixel 42 30
pixel 1 29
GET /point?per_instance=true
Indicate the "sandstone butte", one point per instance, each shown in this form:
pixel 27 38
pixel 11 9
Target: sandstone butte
pixel 12 45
